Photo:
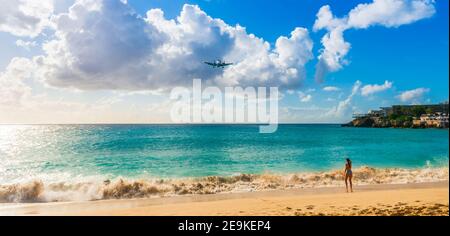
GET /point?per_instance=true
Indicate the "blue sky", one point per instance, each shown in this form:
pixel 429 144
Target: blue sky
pixel 410 57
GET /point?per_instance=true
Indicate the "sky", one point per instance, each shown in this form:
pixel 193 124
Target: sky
pixel 115 61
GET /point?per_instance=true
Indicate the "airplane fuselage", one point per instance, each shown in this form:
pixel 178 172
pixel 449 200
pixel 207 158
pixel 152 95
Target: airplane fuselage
pixel 218 64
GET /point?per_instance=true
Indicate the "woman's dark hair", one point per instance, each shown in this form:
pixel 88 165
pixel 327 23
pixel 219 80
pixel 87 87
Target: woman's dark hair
pixel 348 160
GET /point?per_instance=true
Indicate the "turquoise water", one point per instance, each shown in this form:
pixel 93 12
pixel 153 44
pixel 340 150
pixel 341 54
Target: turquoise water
pixel 65 152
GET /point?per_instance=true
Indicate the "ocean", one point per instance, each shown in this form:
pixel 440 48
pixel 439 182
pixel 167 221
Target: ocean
pixel 87 162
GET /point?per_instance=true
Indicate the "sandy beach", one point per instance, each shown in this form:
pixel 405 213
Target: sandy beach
pixel 383 199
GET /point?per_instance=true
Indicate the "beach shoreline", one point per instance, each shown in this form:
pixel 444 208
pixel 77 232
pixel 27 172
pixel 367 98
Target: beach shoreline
pixel 377 199
pixel 39 191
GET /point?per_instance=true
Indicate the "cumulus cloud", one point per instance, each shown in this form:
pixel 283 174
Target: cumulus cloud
pixel 344 107
pixel 413 95
pixel 24 101
pixel 390 13
pixel 375 88
pixel 25 17
pixel 258 64
pixel 387 13
pixel 98 44
pixel 331 89
pixel 12 86
pixel 335 48
pixel 103 44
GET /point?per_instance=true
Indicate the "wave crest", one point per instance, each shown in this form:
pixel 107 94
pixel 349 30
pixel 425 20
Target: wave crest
pixel 37 191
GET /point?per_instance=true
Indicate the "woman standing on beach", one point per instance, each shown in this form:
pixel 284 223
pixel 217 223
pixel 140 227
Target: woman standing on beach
pixel 348 174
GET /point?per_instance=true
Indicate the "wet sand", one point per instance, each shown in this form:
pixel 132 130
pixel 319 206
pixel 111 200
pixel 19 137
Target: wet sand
pixel 381 199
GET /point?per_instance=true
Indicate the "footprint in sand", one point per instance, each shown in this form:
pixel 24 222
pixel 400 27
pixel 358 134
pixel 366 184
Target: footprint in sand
pixel 310 207
pixel 364 211
pixel 288 208
pixel 298 214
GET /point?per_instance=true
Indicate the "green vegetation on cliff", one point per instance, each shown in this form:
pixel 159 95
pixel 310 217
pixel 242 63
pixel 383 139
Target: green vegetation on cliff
pixel 404 116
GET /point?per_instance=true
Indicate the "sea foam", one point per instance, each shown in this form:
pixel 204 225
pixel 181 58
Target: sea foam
pixel 39 191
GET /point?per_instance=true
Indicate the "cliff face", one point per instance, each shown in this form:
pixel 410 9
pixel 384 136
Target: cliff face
pixel 362 122
pixel 377 122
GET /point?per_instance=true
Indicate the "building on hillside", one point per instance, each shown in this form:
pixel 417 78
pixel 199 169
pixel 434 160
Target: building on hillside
pixel 387 110
pixel 371 113
pixel 438 119
pixel 377 113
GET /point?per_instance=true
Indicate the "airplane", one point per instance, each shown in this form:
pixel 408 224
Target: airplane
pixel 218 64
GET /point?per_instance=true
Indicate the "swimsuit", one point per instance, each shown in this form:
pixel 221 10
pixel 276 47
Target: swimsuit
pixel 348 172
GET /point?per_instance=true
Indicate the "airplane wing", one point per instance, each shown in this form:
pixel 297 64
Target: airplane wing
pixel 225 64
pixel 218 65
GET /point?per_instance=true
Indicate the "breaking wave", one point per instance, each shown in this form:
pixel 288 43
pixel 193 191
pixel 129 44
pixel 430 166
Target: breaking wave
pixel 38 191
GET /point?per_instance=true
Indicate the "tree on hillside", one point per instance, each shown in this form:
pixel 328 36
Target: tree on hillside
pixel 417 111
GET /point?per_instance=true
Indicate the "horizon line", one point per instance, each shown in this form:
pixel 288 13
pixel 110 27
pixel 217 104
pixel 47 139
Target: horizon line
pixel 163 123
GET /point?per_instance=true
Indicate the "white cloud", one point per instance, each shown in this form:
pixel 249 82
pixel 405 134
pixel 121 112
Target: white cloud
pixel 25 17
pixel 103 44
pixel 24 101
pixel 387 13
pixel 12 86
pixel 331 89
pixel 390 13
pixel 413 95
pixel 334 49
pixel 304 97
pixel 332 56
pixel 344 107
pixel 326 20
pixel 27 45
pixel 98 44
pixel 375 88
